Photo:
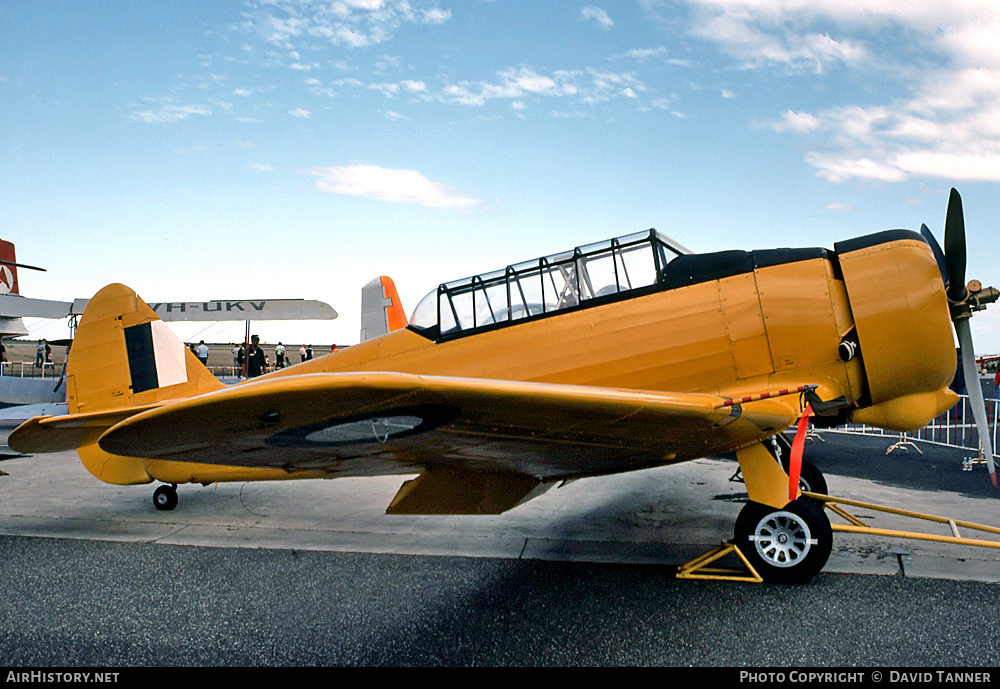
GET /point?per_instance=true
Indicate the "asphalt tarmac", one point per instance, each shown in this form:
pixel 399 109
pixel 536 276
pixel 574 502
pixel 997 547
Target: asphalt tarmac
pixel 314 573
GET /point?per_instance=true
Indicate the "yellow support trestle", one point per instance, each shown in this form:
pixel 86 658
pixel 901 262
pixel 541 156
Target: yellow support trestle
pixel 698 567
pixel 857 526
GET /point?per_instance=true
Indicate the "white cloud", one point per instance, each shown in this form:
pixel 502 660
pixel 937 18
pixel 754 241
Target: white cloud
pixel 383 184
pixel 942 121
pixel 350 23
pixel 835 207
pixel 841 169
pixel 798 122
pixel 300 112
pixel 598 15
pixel 168 112
pixel 589 87
pixel 435 16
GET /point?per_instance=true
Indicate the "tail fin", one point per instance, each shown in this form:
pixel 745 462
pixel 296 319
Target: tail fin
pixel 381 310
pixel 8 269
pixel 124 355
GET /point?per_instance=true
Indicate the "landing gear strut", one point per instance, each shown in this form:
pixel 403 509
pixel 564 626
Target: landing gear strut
pixel 787 545
pixel 165 497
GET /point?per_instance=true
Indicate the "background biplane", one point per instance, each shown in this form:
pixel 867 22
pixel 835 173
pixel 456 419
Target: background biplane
pixel 616 356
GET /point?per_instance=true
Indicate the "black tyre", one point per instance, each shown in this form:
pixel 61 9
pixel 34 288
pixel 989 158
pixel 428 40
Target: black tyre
pixel 165 498
pixel 788 545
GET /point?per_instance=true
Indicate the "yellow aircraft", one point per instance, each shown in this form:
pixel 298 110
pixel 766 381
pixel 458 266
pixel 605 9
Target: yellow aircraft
pixel 616 356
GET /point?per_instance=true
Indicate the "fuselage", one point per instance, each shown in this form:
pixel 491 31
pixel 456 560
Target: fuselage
pixel 733 324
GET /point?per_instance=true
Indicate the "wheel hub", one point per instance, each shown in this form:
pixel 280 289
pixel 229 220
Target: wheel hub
pixel 782 539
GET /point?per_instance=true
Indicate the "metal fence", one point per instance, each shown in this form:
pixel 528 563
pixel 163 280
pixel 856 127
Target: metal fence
pixel 21 369
pixel 954 428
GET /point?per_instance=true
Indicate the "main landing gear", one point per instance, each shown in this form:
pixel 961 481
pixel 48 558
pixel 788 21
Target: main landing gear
pixel 783 541
pixel 165 497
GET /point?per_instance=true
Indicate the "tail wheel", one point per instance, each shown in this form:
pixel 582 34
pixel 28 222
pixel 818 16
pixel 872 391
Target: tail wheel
pixel 165 497
pixel 788 545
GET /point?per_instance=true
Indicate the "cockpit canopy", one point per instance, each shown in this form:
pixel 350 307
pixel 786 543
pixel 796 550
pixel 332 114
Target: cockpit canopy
pixel 587 274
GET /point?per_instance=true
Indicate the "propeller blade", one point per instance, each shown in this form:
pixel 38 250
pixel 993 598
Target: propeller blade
pixel 954 247
pixel 975 391
pixel 938 253
pixel 22 265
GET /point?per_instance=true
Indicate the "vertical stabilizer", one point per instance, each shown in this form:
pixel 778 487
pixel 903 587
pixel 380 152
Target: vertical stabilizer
pixel 381 310
pixel 9 327
pixel 124 355
pixel 8 269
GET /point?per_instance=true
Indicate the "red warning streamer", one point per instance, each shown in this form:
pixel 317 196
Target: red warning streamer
pixel 795 460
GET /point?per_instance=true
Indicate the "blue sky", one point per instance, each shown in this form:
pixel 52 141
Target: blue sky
pixel 218 150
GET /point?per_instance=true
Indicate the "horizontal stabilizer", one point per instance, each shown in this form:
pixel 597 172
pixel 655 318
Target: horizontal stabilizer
pixel 61 433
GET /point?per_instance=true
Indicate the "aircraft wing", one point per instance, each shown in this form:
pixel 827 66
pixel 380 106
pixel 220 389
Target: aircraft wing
pixel 16 306
pixel 235 310
pixel 480 446
pixel 328 420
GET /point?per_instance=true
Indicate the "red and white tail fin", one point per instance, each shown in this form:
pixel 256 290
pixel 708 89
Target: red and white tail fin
pixel 381 311
pixel 8 269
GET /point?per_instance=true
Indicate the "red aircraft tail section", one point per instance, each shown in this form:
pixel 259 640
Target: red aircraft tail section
pixel 8 269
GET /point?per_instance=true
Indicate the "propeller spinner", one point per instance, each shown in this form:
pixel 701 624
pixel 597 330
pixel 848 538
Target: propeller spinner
pixel 963 300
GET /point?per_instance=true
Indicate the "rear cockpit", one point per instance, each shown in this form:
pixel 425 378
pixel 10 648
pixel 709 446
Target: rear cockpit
pixel 588 275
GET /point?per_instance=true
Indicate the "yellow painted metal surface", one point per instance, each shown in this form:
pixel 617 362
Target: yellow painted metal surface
pixel 193 472
pixel 744 321
pixel 907 413
pixel 903 323
pixel 708 337
pixel 99 381
pixel 62 433
pixel 766 481
pixel 450 492
pixel 796 301
pixel 114 469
